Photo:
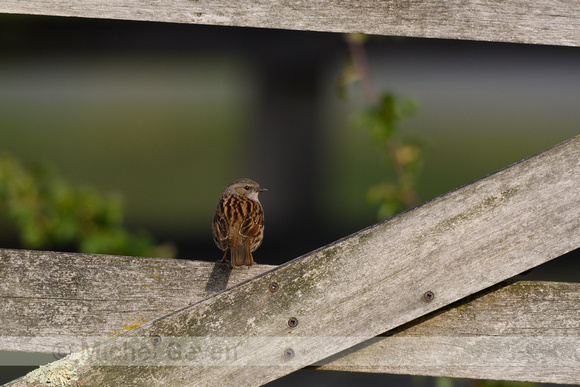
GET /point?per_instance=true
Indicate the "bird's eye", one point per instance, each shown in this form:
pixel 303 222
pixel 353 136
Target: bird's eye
pixel 247 188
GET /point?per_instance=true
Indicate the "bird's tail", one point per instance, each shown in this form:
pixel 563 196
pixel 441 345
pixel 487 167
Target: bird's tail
pixel 241 255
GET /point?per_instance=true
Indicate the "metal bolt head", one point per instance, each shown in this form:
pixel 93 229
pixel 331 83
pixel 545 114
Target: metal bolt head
pixel 289 354
pixel 156 340
pixel 273 287
pixel 429 296
pixel 292 322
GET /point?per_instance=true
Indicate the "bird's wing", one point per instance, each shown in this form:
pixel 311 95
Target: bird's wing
pixel 220 229
pixel 253 224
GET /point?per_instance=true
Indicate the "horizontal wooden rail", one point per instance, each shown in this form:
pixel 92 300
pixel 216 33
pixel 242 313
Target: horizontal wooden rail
pixel 554 22
pixel 524 331
pixel 62 302
pixel 361 286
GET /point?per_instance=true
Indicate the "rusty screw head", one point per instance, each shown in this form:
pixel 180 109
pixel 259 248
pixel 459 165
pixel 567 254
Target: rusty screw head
pixel 273 287
pixel 289 354
pixel 429 296
pixel 292 322
pixel 156 340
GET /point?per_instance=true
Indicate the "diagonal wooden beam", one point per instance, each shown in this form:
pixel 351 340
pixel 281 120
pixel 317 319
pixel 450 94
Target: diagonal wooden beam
pixel 366 284
pixel 521 21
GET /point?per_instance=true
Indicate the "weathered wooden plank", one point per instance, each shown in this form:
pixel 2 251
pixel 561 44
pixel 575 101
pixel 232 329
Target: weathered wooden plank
pixel 525 331
pixel 61 302
pixel 540 22
pixel 357 288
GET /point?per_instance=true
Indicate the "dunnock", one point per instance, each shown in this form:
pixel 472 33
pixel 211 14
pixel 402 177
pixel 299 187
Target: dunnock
pixel 238 225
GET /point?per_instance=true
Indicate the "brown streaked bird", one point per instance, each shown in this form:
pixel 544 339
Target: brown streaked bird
pixel 238 225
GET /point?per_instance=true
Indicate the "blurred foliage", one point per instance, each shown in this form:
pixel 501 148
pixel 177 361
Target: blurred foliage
pixel 381 119
pixel 49 213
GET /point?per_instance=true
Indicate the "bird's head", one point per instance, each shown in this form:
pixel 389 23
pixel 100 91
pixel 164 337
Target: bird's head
pixel 245 187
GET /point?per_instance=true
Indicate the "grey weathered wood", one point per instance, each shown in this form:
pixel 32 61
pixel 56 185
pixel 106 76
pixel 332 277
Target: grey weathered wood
pixel 525 331
pixel 358 287
pixel 63 302
pixel 540 21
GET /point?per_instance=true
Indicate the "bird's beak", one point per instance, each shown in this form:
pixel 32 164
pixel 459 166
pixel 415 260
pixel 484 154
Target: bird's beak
pixel 262 190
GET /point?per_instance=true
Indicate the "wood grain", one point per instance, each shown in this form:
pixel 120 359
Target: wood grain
pixel 55 302
pixel 523 331
pixel 554 22
pixel 361 286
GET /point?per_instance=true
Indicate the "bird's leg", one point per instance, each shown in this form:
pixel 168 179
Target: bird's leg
pixel 225 258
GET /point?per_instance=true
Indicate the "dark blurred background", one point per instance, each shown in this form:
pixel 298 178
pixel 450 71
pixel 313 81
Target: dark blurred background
pixel 167 115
